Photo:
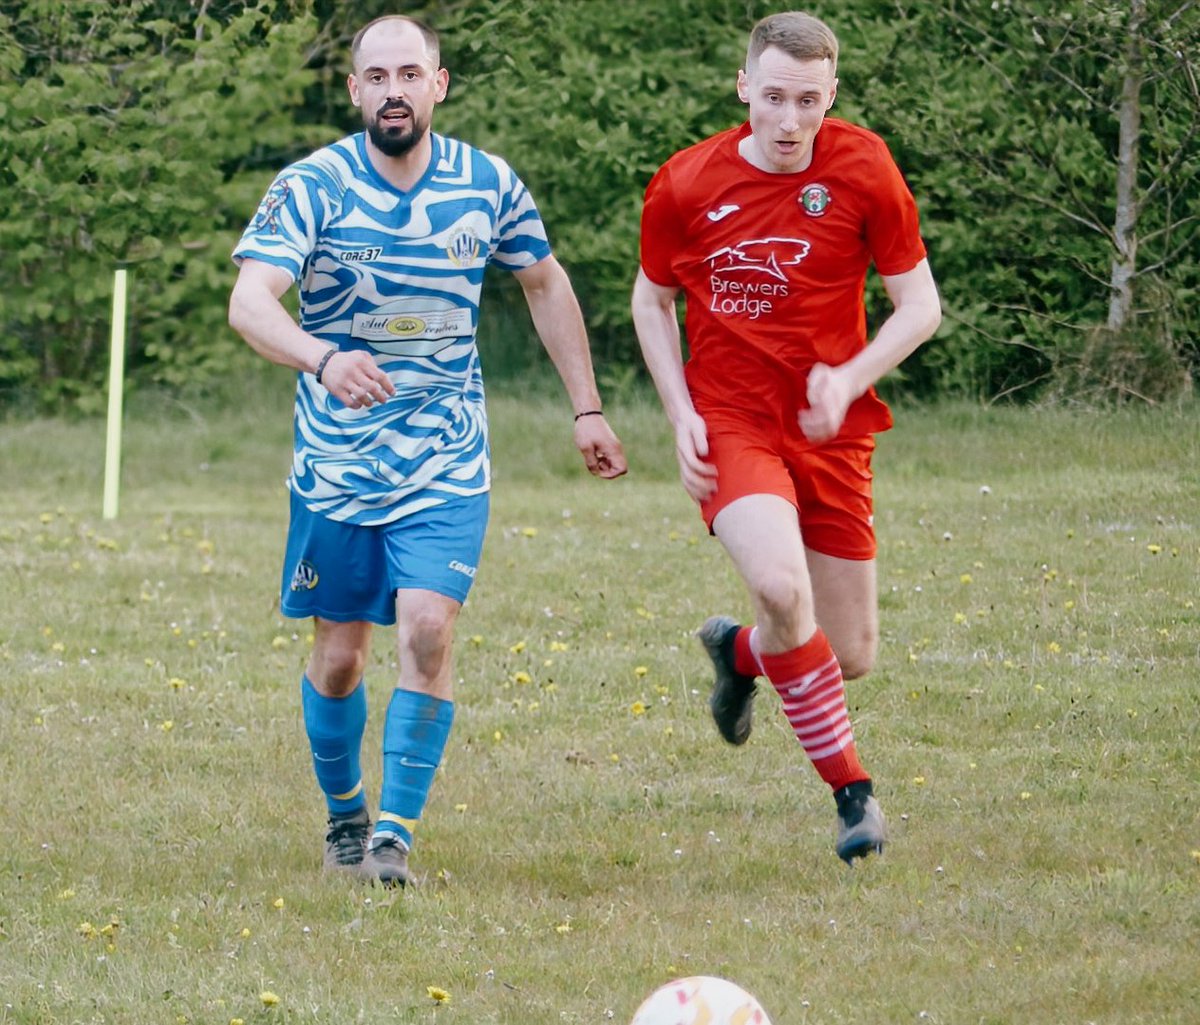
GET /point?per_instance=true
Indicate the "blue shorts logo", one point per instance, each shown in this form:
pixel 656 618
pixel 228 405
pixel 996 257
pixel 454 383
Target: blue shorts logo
pixel 459 567
pixel 305 576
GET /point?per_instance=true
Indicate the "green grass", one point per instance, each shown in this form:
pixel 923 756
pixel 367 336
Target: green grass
pixel 1031 724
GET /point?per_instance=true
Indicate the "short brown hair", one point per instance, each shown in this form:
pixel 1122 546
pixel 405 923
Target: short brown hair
pixel 432 43
pixel 799 35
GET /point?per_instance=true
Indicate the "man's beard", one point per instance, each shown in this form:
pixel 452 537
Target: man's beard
pixel 395 141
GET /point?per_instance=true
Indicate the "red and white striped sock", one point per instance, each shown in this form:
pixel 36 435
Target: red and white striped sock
pixel 809 680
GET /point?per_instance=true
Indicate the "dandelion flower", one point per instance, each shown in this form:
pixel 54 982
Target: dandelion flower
pixel 563 928
pixel 1025 795
pixel 278 903
pixel 167 726
pixel 517 648
pixel 919 781
pixel 245 933
pixel 637 708
pixel 460 808
pixel 528 532
pixel 640 671
pixel 86 930
pixel 477 639
pixel 520 676
pixel 66 894
pixel 1154 549
pixel 268 998
pixel 437 994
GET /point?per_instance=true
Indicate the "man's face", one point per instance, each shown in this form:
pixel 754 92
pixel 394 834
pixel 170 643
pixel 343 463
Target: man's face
pixel 788 99
pixel 396 82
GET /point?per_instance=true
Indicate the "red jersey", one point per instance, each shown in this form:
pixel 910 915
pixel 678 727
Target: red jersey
pixel 773 266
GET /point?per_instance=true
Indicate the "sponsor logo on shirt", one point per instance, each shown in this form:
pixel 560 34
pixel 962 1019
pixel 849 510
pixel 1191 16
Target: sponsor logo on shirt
pixel 747 276
pixel 423 331
pixel 462 568
pixel 362 255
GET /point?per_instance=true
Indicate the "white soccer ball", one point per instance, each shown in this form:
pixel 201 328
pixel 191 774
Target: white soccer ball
pixel 700 1000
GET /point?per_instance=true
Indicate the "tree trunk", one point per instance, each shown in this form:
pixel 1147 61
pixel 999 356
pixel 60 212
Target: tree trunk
pixel 1124 265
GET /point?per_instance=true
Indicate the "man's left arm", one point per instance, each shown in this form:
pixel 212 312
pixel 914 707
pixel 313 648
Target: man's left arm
pixel 559 324
pixel 916 314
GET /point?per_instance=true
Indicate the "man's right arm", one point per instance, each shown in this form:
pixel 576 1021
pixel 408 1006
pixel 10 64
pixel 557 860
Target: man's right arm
pixel 256 313
pixel 657 330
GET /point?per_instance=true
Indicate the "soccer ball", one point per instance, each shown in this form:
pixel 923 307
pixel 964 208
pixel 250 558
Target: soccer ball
pixel 700 1000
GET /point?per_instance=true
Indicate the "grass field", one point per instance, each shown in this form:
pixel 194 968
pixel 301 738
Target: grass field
pixel 1031 724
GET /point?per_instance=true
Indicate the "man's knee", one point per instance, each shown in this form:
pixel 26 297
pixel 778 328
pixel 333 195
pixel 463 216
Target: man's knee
pixel 780 599
pixel 335 669
pixel 427 636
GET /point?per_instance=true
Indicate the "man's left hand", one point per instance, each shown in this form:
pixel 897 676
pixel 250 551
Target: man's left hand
pixel 829 396
pixel 601 448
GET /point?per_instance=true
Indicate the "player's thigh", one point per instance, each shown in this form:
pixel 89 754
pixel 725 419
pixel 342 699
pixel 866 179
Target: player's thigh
pixel 761 533
pixel 846 608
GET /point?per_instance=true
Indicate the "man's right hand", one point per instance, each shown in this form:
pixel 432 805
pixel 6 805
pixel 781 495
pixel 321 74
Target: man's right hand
pixel 355 379
pixel 691 447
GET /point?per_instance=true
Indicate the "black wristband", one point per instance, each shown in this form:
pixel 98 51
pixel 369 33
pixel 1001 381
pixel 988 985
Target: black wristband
pixel 321 366
pixel 590 412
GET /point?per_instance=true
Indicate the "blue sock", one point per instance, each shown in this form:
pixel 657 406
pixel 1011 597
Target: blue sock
pixel 414 737
pixel 335 730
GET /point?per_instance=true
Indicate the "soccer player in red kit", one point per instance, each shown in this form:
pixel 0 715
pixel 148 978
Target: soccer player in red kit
pixel 767 231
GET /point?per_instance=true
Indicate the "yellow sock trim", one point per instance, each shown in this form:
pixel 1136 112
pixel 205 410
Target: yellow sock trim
pixel 349 793
pixel 387 816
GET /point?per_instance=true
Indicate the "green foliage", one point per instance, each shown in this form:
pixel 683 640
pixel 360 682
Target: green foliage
pixel 1012 151
pixel 128 131
pixel 144 133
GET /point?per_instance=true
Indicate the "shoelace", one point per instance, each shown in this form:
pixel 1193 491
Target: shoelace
pixel 348 839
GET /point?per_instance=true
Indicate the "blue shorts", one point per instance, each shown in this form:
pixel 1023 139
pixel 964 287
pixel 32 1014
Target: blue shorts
pixel 350 573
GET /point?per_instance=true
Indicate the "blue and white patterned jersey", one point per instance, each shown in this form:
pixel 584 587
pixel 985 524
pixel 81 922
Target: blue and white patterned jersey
pixel 397 274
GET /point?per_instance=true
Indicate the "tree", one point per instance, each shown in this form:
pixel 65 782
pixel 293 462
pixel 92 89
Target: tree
pixel 126 132
pixel 1079 171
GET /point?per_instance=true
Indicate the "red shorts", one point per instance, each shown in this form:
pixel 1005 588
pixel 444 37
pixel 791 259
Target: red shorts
pixel 829 484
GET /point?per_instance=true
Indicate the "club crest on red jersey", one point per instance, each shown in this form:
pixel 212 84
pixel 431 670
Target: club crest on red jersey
pixel 815 199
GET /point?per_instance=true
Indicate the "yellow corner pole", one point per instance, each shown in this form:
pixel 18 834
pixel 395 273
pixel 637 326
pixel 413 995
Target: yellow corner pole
pixel 116 391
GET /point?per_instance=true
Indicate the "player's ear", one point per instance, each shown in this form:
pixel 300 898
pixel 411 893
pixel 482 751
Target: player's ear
pixel 441 85
pixel 352 87
pixel 832 95
pixel 743 86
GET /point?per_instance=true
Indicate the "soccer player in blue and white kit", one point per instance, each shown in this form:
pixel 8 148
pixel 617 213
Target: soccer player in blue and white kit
pixel 387 233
